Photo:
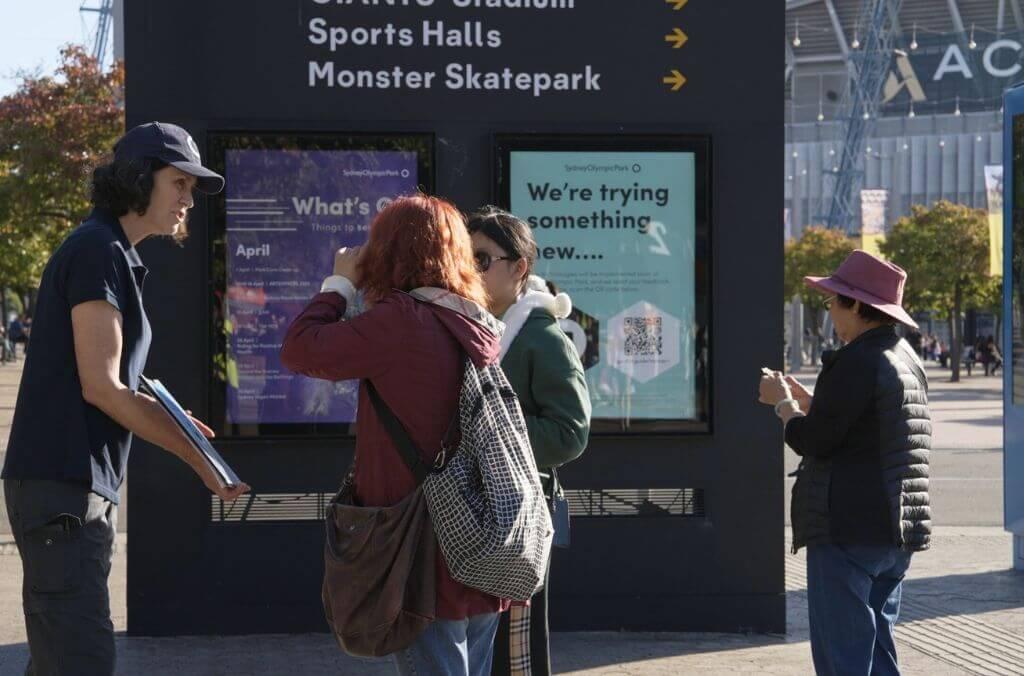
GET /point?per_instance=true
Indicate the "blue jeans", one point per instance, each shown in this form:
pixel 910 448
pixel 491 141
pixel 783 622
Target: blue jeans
pixel 451 648
pixel 853 600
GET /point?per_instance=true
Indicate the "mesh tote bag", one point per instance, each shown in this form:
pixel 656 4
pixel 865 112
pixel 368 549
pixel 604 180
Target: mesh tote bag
pixel 484 494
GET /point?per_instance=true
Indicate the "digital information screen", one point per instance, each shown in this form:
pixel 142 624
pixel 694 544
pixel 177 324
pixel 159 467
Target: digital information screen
pixel 622 227
pixel 289 203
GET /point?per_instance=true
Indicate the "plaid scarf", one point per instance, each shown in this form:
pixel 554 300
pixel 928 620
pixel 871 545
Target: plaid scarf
pixel 519 640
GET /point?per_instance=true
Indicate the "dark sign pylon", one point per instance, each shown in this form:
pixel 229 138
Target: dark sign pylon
pixel 310 107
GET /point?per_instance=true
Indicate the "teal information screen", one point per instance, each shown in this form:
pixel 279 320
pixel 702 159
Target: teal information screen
pixel 617 232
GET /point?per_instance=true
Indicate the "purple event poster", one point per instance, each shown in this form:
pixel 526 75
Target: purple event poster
pixel 288 211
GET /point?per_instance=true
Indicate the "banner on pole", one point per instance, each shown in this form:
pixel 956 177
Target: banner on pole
pixel 994 192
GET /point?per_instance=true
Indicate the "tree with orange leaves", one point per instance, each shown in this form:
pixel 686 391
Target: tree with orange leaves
pixel 53 130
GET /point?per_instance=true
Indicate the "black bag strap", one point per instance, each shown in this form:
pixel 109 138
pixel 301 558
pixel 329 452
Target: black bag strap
pixel 403 442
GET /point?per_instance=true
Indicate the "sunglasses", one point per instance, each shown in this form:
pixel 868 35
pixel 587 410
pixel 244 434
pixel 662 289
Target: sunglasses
pixel 484 260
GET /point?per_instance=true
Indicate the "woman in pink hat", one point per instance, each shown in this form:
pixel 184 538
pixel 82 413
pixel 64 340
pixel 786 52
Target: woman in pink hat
pixel 860 502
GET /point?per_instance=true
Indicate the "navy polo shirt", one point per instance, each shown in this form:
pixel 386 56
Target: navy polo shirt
pixel 56 434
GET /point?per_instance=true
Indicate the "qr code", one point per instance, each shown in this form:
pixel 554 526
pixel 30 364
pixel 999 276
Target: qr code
pixel 643 336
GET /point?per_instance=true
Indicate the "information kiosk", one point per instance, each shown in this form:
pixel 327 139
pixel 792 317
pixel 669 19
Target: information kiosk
pixel 642 142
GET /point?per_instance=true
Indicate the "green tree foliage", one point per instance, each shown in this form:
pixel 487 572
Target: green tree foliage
pixel 819 251
pixel 944 250
pixel 53 130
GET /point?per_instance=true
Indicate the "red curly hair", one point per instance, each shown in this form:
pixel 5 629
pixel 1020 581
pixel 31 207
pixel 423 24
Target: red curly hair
pixel 420 241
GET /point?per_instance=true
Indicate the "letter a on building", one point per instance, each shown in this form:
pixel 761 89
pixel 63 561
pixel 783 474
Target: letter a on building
pixel 894 84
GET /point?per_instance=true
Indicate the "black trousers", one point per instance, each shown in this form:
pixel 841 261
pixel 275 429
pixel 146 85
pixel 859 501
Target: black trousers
pixel 65 536
pixel 531 632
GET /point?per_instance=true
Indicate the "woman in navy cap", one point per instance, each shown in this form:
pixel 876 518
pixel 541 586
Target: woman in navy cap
pixel 79 405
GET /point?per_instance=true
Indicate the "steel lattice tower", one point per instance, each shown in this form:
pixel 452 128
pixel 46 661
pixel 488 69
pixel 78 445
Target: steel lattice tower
pixel 104 22
pixel 868 67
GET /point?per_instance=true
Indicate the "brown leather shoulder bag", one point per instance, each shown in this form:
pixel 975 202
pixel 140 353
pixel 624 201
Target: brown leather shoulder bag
pixel 380 571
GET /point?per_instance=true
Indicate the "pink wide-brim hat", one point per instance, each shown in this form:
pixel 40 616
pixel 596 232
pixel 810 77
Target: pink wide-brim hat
pixel 870 280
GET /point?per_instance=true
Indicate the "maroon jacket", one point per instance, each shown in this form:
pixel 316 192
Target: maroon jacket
pixel 413 353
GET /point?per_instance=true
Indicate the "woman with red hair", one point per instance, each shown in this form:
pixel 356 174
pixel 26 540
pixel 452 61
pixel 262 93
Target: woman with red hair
pixel 413 353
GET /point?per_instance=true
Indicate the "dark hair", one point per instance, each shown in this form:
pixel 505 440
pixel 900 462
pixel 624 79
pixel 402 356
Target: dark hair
pixel 417 241
pixel 865 311
pixel 124 185
pixel 509 232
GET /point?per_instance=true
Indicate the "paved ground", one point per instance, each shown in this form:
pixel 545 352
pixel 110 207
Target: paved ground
pixel 963 614
pixel 963 607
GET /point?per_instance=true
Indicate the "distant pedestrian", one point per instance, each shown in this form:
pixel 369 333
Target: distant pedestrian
pixel 6 354
pixel 930 352
pixel 17 334
pixel 994 355
pixel 969 356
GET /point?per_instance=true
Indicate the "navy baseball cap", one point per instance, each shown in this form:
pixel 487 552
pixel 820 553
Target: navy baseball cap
pixel 172 145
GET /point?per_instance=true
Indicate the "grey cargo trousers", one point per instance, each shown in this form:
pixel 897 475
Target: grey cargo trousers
pixel 65 536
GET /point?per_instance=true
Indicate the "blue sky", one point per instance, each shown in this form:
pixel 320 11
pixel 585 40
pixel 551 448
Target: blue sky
pixel 33 31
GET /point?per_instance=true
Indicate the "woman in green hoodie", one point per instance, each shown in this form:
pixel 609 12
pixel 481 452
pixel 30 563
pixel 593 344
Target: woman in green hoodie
pixel 544 369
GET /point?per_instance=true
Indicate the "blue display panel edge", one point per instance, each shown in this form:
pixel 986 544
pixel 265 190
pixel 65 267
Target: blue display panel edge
pixel 1013 415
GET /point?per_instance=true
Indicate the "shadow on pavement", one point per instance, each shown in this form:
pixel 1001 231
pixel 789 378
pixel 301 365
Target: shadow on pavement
pixel 965 594
pixel 986 421
pixel 964 394
pixel 576 652
pixel 264 655
pixel 314 654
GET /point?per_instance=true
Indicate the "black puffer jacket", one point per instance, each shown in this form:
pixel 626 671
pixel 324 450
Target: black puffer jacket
pixel 865 445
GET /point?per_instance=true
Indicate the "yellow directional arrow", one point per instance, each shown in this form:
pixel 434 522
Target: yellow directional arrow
pixel 677 4
pixel 678 37
pixel 676 79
